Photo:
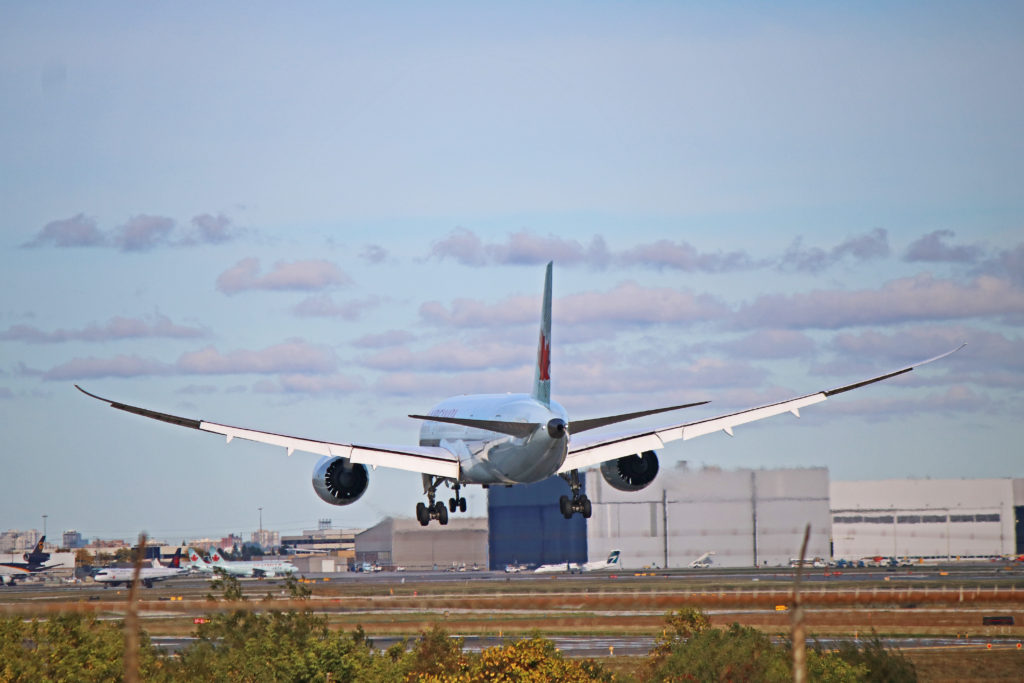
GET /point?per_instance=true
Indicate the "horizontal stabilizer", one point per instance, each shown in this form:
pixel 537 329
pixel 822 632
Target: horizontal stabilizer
pixel 577 426
pixel 517 429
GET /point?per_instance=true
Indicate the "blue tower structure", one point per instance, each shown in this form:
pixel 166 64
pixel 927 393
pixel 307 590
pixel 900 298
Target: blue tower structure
pixel 527 527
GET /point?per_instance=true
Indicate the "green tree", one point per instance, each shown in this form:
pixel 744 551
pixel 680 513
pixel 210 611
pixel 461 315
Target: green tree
pixel 691 649
pixel 70 647
pixel 880 663
pixel 83 558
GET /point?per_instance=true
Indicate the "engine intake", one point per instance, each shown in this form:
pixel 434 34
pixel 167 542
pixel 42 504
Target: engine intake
pixel 632 472
pixel 338 481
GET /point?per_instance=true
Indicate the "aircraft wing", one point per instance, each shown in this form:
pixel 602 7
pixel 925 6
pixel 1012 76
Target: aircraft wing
pixel 593 450
pixel 434 460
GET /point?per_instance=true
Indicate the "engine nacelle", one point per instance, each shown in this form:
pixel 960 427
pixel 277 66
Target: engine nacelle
pixel 338 481
pixel 632 472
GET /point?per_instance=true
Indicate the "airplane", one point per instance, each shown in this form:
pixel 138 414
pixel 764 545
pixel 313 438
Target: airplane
pixel 112 576
pixel 257 568
pixel 507 439
pixel 573 568
pixel 36 561
pixel 703 562
pixel 198 562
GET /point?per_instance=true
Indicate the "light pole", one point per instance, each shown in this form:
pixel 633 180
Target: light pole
pixel 44 524
pixel 261 526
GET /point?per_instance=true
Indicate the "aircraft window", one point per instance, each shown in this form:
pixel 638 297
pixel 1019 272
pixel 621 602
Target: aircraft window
pixel 852 519
pixel 884 519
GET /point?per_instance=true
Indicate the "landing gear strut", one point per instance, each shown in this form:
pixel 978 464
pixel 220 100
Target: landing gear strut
pixel 432 510
pixel 579 501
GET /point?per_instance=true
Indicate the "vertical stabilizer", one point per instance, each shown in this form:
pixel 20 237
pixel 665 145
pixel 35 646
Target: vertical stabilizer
pixel 542 373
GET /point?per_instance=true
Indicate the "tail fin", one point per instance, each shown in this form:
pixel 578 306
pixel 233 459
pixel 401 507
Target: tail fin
pixel 542 374
pixel 176 560
pixel 215 556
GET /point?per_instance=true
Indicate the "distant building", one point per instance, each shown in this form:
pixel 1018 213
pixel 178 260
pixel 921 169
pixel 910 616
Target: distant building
pixel 404 543
pixel 323 539
pixel 230 541
pixel 266 539
pixel 72 539
pixel 939 519
pixel 17 541
pixel 746 517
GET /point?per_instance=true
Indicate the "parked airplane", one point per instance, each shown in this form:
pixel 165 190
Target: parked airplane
pixel 502 439
pixel 257 568
pixel 198 562
pixel 704 561
pixel 35 561
pixel 112 576
pixel 572 567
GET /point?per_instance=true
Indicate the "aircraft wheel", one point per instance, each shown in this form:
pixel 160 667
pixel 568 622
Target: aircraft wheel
pixel 422 514
pixel 585 507
pixel 565 506
pixel 442 513
pixel 451 504
pixel 462 504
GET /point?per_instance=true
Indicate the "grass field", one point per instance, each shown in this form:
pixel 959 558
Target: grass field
pixel 627 605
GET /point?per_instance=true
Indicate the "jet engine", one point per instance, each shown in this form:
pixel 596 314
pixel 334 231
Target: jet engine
pixel 632 472
pixel 338 481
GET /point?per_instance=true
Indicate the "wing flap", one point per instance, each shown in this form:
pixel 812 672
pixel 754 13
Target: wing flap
pixel 424 459
pixel 727 422
pixel 590 451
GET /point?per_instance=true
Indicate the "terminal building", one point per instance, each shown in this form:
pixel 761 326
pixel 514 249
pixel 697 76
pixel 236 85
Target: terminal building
pixel 749 517
pixel 394 543
pixel 745 517
pixel 932 519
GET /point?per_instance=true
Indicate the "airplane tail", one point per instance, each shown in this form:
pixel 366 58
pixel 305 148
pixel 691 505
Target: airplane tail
pixel 176 560
pixel 542 374
pixel 37 554
pixel 216 556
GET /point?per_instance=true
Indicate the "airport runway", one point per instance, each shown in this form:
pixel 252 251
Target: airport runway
pixel 640 646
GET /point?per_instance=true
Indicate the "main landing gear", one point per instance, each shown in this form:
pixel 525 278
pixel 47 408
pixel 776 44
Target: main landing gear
pixel 437 510
pixel 579 501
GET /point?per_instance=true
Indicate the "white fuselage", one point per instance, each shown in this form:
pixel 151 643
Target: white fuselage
pixel 116 575
pixel 487 457
pixel 256 568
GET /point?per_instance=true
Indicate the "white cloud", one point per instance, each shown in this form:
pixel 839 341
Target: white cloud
pixel 627 303
pixel 77 231
pixel 308 275
pixel 142 233
pixel 919 298
pixel 294 356
pixel 118 327
pixel 324 306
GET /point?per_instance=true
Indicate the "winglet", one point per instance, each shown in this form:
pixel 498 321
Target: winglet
pixel 542 373
pixel 857 385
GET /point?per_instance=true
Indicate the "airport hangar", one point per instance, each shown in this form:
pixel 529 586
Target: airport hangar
pixel 746 517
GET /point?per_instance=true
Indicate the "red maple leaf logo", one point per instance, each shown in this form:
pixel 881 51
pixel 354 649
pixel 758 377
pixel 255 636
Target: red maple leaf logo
pixel 544 358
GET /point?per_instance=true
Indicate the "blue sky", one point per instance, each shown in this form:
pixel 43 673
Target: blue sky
pixel 318 220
